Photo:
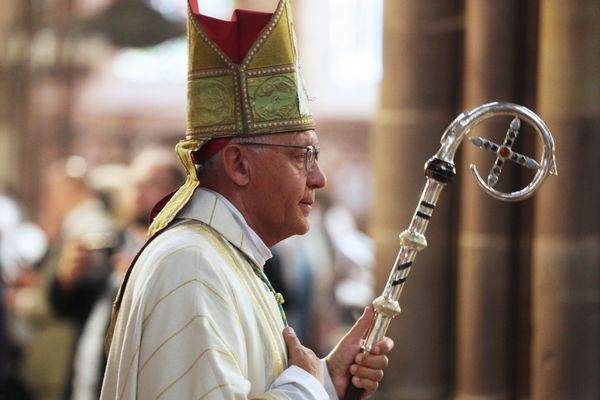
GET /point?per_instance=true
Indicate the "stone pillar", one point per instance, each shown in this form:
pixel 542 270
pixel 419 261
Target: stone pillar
pixel 566 244
pixel 417 103
pixel 486 284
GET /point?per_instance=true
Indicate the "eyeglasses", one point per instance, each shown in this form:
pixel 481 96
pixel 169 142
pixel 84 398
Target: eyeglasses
pixel 310 156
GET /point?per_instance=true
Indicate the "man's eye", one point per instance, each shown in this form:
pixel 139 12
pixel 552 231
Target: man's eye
pixel 299 160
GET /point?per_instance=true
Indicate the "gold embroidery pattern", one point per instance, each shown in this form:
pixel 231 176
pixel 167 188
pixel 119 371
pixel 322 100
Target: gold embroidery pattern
pixel 273 97
pixel 253 285
pixel 272 55
pixel 214 103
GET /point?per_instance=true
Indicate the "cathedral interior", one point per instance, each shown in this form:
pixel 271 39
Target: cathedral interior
pixel 504 303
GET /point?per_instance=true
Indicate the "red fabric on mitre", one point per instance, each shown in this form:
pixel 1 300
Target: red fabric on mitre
pixel 233 37
pixel 209 149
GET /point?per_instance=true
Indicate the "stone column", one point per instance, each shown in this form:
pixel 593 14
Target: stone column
pixel 417 103
pixel 486 284
pixel 566 244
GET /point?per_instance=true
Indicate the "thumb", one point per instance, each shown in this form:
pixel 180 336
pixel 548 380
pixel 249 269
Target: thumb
pixel 290 338
pixel 358 331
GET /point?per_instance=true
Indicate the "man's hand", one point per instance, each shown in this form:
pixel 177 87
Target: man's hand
pixel 75 260
pixel 301 356
pixel 346 361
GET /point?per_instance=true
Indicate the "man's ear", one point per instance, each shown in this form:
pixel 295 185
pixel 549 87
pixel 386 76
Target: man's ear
pixel 235 164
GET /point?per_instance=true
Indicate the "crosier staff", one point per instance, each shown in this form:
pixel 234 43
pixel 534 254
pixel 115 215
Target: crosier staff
pixel 439 170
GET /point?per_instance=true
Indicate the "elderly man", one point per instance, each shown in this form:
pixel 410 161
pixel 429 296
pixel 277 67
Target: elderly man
pixel 196 316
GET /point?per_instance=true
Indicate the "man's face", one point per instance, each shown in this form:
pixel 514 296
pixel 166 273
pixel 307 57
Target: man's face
pixel 281 191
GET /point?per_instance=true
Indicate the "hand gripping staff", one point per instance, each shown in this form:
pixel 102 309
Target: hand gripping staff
pixel 439 170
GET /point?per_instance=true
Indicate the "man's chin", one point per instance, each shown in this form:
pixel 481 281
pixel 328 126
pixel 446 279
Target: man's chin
pixel 304 227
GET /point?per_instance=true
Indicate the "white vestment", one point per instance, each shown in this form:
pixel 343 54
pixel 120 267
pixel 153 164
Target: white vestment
pixel 196 322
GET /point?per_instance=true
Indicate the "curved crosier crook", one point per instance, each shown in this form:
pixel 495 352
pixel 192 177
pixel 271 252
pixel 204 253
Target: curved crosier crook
pixel 466 121
pixel 439 171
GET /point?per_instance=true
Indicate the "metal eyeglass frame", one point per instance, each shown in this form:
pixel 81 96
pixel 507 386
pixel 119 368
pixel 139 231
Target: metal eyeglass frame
pixel 311 156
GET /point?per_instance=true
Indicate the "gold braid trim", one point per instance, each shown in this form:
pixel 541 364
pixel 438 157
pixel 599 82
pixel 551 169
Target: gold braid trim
pixel 184 150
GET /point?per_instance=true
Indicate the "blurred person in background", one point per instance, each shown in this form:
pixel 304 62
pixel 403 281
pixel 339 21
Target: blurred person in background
pixel 22 245
pixel 78 227
pixel 10 217
pixel 153 173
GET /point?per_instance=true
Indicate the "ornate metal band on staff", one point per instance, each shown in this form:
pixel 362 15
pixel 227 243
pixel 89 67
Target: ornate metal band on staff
pixel 439 170
pixel 412 240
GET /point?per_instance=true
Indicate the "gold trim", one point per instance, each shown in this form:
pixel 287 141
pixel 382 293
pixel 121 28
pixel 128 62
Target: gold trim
pixel 193 75
pixel 265 34
pixel 220 242
pixel 212 213
pixel 184 149
pixel 208 133
pixel 260 299
pixel 282 69
pixel 200 32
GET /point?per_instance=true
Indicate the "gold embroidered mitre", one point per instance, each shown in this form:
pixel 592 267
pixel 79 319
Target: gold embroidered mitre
pixel 262 94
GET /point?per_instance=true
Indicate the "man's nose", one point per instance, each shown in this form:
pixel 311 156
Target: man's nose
pixel 316 177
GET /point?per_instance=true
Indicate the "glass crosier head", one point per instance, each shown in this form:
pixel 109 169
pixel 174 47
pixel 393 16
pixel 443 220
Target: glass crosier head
pixel 244 77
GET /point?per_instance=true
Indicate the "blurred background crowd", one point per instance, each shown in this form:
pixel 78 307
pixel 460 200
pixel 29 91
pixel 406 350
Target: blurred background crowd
pixel 505 304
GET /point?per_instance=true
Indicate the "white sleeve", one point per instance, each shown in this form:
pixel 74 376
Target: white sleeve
pixel 329 388
pixel 298 384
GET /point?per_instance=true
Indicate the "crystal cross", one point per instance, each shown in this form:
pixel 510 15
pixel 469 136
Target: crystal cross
pixel 504 152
